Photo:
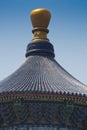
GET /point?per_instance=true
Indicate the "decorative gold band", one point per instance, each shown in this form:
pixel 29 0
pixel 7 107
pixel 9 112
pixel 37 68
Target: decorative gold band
pixel 40 35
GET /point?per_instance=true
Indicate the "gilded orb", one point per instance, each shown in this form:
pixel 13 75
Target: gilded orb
pixel 40 18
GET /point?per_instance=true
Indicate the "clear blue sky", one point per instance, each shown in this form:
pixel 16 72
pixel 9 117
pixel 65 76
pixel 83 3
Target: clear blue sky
pixel 68 34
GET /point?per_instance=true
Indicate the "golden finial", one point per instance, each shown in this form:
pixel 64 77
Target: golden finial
pixel 40 20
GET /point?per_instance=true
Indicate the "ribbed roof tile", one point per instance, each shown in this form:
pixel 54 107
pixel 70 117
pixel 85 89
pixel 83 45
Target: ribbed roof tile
pixel 42 74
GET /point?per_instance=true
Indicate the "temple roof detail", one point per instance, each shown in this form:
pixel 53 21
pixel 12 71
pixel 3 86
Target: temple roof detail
pixel 40 72
pixel 41 92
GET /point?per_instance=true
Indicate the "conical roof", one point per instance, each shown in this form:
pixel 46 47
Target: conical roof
pixel 40 73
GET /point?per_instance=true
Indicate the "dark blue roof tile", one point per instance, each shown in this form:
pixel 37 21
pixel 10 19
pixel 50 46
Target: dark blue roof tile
pixel 42 74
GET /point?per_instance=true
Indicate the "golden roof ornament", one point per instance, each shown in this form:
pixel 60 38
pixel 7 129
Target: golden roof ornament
pixel 40 20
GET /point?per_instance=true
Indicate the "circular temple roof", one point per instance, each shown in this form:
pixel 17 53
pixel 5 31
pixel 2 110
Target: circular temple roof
pixel 40 73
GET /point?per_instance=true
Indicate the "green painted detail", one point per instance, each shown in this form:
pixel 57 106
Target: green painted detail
pixel 17 102
pixel 69 103
pixel 66 111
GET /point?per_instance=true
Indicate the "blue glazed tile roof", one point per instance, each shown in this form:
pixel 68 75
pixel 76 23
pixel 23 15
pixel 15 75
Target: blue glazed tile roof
pixel 42 74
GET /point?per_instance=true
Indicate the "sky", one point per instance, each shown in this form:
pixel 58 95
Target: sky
pixel 67 33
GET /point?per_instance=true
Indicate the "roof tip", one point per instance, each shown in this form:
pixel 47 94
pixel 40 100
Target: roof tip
pixel 40 19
